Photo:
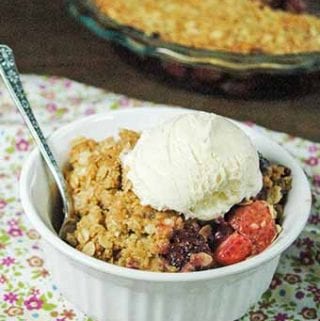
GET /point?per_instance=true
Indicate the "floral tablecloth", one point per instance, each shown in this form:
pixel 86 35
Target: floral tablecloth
pixel 27 291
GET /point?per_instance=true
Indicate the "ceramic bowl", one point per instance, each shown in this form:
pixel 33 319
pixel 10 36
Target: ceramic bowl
pixel 108 292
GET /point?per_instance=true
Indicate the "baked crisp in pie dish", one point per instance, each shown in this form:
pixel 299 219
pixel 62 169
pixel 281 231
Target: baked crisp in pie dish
pixel 241 26
pixel 115 227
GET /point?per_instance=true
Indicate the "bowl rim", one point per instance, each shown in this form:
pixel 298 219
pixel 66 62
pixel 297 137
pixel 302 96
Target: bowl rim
pixel 104 267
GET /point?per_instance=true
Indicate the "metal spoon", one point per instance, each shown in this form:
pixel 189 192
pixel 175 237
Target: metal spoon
pixel 63 219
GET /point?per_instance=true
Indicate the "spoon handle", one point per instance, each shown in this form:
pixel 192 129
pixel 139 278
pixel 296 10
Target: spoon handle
pixel 11 78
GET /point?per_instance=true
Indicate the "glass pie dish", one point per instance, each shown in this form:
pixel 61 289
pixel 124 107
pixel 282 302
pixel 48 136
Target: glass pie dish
pixel 237 74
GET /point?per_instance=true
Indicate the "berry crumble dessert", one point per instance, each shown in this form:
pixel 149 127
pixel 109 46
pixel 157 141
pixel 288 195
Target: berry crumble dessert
pixel 240 26
pixel 205 199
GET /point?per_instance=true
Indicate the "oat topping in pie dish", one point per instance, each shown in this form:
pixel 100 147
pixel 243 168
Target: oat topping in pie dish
pixel 116 226
pixel 240 26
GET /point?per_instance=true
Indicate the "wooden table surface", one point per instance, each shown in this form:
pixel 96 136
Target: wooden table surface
pixel 46 40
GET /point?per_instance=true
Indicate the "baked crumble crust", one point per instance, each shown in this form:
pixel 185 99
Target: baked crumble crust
pixel 113 225
pixel 241 26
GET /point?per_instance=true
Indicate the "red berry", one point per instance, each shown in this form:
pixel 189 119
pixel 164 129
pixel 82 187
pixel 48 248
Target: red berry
pixel 234 249
pixel 255 222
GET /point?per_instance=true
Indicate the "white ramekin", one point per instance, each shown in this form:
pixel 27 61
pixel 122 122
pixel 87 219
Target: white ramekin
pixel 108 292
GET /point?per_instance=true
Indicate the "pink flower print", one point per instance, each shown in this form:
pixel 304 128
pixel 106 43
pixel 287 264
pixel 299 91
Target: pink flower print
pixel 68 83
pixel 312 161
pixel 10 297
pixel 314 219
pixel 316 180
pixel 307 242
pixel 33 303
pixel 61 319
pixel 51 107
pixel 3 204
pixel 281 317
pixel 15 231
pixel 306 258
pixel 313 148
pixel 22 145
pixel 276 281
pixel 7 261
pixel 313 289
pixel 124 102
pixel 13 222
pixel 316 297
pixel 299 295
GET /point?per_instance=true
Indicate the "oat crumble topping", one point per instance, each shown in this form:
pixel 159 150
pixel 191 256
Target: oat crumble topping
pixel 242 26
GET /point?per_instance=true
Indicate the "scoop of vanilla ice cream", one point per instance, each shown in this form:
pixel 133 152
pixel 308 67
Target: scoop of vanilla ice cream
pixel 199 164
